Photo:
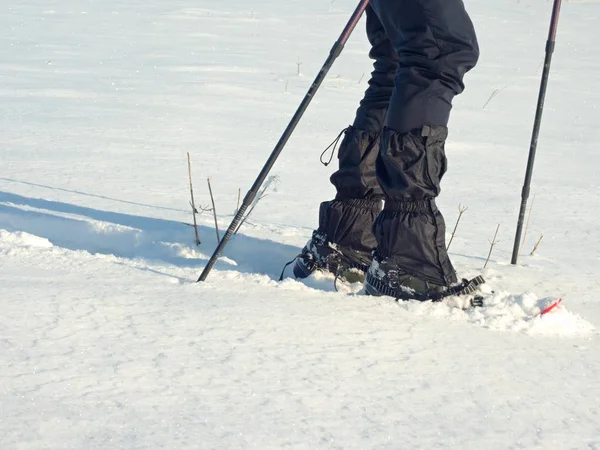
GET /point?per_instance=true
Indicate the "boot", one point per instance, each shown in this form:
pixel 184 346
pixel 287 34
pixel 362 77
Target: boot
pixel 344 241
pixel 411 255
pixel 386 278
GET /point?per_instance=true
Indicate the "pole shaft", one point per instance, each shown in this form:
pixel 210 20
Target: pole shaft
pixel 550 44
pixel 333 54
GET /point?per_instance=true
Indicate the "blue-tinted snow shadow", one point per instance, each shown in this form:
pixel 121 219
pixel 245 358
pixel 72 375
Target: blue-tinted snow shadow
pixel 89 194
pixel 146 237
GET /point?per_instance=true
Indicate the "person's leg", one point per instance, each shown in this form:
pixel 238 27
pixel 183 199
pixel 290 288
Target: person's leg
pixel 436 44
pixel 347 220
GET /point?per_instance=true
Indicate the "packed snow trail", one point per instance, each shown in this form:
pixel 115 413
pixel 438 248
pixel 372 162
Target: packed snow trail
pixel 105 352
pixel 149 247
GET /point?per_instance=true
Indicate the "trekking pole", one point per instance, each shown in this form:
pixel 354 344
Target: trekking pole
pixel 536 126
pixel 333 54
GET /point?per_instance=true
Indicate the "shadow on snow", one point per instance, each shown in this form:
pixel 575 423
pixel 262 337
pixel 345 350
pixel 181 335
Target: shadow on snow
pixel 128 236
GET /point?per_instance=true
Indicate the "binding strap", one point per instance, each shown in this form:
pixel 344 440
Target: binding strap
pixel 465 287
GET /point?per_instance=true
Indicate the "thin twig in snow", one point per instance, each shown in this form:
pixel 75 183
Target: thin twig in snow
pixel 194 210
pixel 537 244
pixel 528 218
pixel 461 210
pixel 492 243
pixel 494 93
pixel 212 199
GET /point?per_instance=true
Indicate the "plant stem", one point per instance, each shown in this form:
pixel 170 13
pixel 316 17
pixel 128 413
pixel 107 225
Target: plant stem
pixel 194 210
pixel 212 199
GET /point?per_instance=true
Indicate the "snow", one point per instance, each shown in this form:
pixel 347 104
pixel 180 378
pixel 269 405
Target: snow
pixel 106 341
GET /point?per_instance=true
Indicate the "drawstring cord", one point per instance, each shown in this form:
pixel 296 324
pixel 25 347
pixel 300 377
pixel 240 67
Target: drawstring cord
pixel 334 145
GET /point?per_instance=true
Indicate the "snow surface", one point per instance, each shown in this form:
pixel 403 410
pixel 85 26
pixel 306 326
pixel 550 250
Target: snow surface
pixel 107 342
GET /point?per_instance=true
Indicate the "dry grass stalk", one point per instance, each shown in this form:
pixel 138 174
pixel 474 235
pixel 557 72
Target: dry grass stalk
pixel 536 245
pixel 528 219
pixel 194 210
pixel 461 210
pixel 492 243
pixel 494 93
pixel 212 199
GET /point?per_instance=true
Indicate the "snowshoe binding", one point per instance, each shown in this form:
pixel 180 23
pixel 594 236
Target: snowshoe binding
pixel 385 279
pixel 321 254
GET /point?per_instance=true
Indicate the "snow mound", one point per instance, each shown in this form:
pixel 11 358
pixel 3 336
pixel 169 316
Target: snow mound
pixel 21 239
pixel 501 311
pixel 505 311
pixel 509 312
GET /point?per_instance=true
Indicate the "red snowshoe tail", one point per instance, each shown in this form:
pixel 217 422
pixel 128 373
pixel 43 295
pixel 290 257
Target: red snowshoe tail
pixel 552 305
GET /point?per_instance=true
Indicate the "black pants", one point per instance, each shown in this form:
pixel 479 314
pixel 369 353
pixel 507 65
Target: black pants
pixel 395 147
pixel 422 49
